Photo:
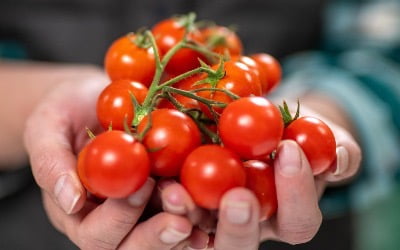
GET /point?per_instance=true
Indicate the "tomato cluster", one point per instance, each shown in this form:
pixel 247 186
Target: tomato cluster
pixel 185 102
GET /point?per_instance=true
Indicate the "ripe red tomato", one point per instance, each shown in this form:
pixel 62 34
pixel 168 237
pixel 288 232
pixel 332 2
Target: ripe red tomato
pixel 255 70
pixel 167 34
pixel 238 79
pixel 251 126
pixel 113 165
pixel 270 71
pixel 114 104
pixel 261 180
pixel 125 60
pixel 222 40
pixel 315 139
pixel 173 135
pixel 209 171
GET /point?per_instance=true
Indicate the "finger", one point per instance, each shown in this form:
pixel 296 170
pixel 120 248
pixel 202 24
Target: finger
pixel 52 160
pixel 52 134
pixel 238 221
pixel 162 231
pixel 103 226
pixel 176 200
pixel 298 217
pixel 348 158
pixel 198 240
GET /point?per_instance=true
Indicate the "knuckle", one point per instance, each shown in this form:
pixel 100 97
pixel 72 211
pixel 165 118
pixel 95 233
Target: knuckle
pixel 300 232
pixel 96 243
pixel 43 166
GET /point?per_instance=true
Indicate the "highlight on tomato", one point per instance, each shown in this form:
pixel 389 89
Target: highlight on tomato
pixel 316 139
pixel 113 164
pixel 209 172
pixel 252 127
pixel 128 58
pixel 114 105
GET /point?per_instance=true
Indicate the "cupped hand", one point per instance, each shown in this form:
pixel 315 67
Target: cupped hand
pixel 54 134
pixel 298 217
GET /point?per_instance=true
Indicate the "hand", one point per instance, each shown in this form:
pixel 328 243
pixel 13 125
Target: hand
pixel 54 134
pixel 298 217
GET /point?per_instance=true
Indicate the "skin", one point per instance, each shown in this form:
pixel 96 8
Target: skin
pixel 53 138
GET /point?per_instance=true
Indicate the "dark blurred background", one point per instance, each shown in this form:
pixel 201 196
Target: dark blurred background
pixel 305 35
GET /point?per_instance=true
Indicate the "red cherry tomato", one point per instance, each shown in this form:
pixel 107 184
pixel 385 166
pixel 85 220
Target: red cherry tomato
pixel 270 71
pixel 125 60
pixel 316 140
pixel 115 105
pixel 173 135
pixel 255 70
pixel 222 40
pixel 113 165
pixel 167 34
pixel 251 126
pixel 261 180
pixel 209 171
pixel 238 79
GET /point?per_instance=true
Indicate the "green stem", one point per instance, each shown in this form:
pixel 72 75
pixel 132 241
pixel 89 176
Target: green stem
pixel 210 55
pixel 187 74
pixel 194 96
pixel 225 91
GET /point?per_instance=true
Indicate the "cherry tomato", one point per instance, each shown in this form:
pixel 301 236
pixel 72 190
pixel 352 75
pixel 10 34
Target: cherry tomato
pixel 209 171
pixel 270 71
pixel 115 105
pixel 167 34
pixel 252 127
pixel 173 135
pixel 255 70
pixel 261 180
pixel 125 60
pixel 315 139
pixel 113 164
pixel 238 79
pixel 222 40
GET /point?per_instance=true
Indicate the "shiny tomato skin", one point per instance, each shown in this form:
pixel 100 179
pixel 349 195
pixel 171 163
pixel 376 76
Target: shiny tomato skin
pixel 113 164
pixel 114 104
pixel 167 34
pixel 209 171
pixel 238 79
pixel 270 71
pixel 173 135
pixel 252 127
pixel 261 180
pixel 125 60
pixel 316 139
pixel 255 70
pixel 228 41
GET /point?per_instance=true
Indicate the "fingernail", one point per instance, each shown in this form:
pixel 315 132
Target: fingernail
pixel 237 212
pixel 289 159
pixel 172 236
pixel 174 204
pixel 342 161
pixel 191 248
pixel 66 193
pixel 140 197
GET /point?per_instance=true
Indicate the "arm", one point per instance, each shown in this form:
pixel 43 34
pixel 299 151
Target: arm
pixel 22 86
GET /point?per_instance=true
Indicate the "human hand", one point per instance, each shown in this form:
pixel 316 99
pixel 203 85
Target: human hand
pixel 298 217
pixel 55 133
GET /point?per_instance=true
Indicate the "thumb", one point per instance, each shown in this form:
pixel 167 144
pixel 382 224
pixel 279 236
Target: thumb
pixel 298 217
